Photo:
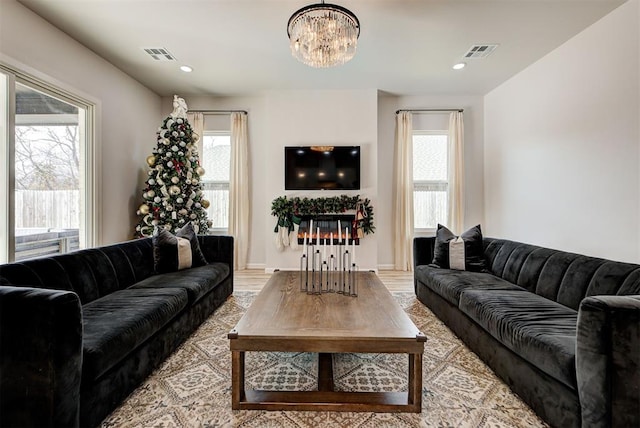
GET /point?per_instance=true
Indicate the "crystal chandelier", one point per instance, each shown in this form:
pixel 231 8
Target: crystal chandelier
pixel 323 35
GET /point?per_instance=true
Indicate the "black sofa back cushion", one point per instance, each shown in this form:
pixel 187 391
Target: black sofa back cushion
pixel 558 275
pixel 91 273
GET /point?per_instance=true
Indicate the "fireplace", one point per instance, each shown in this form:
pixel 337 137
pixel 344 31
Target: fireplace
pixel 328 224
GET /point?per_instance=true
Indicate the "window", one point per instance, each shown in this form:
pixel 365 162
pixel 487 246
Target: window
pixel 430 175
pixel 216 161
pixel 47 181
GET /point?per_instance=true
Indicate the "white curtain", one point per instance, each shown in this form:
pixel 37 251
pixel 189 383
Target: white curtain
pixel 239 190
pixel 197 125
pixel 403 195
pixel 456 173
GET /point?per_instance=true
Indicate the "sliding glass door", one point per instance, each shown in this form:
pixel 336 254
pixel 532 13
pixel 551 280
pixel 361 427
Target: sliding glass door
pixel 47 184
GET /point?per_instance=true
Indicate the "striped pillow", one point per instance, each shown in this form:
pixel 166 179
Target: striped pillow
pixel 464 252
pixel 176 252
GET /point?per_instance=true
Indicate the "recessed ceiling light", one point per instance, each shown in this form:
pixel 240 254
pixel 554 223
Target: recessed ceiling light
pixel 459 66
pixel 186 68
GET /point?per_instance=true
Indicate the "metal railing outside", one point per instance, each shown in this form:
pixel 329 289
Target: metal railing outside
pixel 47 243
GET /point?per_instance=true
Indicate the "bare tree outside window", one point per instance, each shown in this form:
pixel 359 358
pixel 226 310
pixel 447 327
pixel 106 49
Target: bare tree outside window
pixel 47 157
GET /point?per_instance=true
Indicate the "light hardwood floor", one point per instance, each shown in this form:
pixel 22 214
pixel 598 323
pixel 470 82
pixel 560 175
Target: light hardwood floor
pixel 254 279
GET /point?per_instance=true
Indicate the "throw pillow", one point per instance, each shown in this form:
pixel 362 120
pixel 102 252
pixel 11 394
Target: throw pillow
pixel 175 252
pixel 464 252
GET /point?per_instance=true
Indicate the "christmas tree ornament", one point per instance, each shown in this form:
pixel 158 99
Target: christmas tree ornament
pixel 205 203
pixel 170 178
pixel 200 171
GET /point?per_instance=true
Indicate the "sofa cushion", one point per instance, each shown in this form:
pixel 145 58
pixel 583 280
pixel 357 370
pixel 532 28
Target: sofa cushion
pixel 176 252
pixel 539 330
pixel 118 323
pixel 195 281
pixel 464 252
pixel 450 283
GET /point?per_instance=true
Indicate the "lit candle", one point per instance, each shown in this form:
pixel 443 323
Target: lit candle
pixel 339 230
pixel 304 246
pixel 324 250
pixel 311 231
pixel 331 250
pixel 346 232
pixel 318 238
pixel 353 251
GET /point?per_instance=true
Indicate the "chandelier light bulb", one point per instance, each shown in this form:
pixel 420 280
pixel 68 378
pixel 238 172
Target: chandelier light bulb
pixel 323 35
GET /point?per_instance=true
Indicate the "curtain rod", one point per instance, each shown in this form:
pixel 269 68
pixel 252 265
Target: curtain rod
pixel 432 110
pixel 212 112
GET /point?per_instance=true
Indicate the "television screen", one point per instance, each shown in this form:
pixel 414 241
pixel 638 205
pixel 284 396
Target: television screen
pixel 322 167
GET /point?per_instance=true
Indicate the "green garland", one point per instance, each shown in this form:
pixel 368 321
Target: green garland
pixel 289 211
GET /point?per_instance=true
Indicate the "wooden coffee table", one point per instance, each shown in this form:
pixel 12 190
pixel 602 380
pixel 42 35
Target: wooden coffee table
pixel 284 319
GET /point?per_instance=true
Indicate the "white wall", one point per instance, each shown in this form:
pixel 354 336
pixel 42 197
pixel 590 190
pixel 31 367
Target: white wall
pixel 366 118
pixel 562 145
pixel 289 118
pixel 473 156
pixel 304 118
pixel 128 114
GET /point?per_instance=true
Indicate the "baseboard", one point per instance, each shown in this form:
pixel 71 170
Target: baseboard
pixel 272 270
pixel 259 266
pixel 387 267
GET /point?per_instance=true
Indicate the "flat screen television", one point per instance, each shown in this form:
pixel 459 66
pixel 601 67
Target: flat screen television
pixel 322 168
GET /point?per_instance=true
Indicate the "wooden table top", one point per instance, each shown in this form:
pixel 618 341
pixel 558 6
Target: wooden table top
pixel 282 311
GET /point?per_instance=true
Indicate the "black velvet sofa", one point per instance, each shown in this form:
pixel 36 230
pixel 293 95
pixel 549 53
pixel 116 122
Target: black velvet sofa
pixel 561 329
pixel 80 331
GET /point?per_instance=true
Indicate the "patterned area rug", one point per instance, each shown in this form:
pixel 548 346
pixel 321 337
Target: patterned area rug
pixel 192 388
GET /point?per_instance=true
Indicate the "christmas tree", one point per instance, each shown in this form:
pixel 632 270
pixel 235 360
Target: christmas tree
pixel 173 191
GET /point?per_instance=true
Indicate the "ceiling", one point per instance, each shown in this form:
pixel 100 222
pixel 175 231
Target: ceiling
pixel 240 47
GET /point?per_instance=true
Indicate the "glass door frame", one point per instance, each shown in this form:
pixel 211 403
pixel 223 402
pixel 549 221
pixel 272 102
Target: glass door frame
pixel 89 161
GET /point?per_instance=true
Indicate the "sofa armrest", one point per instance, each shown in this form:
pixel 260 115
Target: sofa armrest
pixel 40 357
pixel 423 250
pixel 608 361
pixel 422 254
pixel 217 248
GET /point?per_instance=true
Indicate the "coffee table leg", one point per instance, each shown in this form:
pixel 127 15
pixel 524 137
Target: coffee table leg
pixel 325 372
pixel 415 381
pixel 237 379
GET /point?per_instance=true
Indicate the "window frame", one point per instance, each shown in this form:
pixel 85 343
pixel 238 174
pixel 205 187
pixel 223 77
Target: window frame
pixel 89 160
pixel 425 184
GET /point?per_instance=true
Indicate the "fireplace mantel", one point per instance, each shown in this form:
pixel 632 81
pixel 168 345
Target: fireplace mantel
pixel 292 210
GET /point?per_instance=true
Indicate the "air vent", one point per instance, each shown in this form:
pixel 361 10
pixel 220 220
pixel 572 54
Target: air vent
pixel 159 54
pixel 480 51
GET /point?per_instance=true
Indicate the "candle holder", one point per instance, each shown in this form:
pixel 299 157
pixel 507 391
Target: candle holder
pixel 335 274
pixel 352 281
pixel 316 273
pixel 331 274
pixel 346 271
pixel 304 273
